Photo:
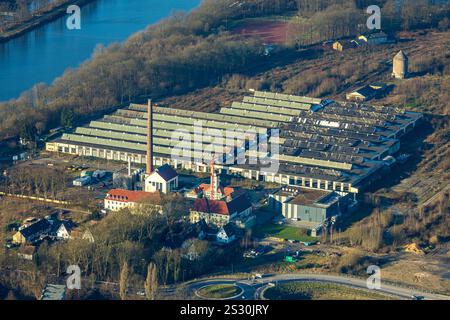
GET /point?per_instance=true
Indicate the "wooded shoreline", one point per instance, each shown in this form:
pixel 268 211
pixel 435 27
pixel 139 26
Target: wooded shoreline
pixel 39 20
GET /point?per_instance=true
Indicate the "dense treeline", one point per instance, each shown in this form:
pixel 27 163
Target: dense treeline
pixel 321 20
pixel 35 181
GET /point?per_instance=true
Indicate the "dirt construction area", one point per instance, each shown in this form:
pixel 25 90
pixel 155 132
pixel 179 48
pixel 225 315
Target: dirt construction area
pixel 429 272
pixel 271 32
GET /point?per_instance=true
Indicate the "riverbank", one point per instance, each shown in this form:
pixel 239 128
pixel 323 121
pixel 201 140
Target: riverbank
pixel 39 20
pixel 44 54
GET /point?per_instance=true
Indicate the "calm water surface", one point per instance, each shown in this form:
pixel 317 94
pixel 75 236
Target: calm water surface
pixel 44 53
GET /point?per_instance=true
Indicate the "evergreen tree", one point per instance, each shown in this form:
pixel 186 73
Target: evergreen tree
pixel 28 132
pixel 151 283
pixel 67 118
pixel 123 283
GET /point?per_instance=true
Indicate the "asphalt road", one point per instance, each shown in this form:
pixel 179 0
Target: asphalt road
pixel 252 289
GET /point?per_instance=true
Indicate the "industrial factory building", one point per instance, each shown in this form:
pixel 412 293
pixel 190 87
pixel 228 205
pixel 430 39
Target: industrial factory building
pixel 311 208
pixel 323 144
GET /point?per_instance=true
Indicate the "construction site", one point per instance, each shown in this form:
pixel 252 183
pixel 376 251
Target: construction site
pixel 319 144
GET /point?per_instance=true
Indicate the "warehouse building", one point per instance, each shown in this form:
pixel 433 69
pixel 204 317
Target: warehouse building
pixel 311 208
pixel 321 144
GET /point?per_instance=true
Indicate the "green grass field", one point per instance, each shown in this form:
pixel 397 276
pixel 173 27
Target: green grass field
pixel 219 291
pixel 319 291
pixel 283 232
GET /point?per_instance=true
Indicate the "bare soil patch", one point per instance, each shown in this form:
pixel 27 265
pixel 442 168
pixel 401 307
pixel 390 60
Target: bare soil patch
pixel 272 32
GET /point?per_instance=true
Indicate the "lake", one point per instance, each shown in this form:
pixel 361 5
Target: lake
pixel 43 54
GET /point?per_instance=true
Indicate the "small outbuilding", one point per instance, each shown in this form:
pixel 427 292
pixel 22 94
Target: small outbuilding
pixel 27 252
pixel 374 38
pixel 343 45
pixel 54 292
pixel 367 92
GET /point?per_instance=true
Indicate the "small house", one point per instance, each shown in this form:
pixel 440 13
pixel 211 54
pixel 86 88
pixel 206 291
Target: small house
pixel 226 234
pixel 205 231
pixel 32 232
pixel 64 230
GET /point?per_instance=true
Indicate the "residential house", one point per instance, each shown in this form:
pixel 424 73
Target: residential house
pixel 205 231
pixel 33 232
pixel 226 234
pixel 64 230
pixel 164 179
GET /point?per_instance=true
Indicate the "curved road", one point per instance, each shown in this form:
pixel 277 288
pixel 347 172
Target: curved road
pixel 252 289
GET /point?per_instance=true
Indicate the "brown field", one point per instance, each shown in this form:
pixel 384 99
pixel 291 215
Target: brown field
pixel 271 32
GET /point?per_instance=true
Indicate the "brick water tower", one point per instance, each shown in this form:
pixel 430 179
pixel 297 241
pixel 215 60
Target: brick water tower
pixel 400 69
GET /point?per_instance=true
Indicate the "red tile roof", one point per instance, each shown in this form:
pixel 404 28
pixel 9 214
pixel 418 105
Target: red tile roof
pixel 122 195
pixel 226 191
pixel 236 205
